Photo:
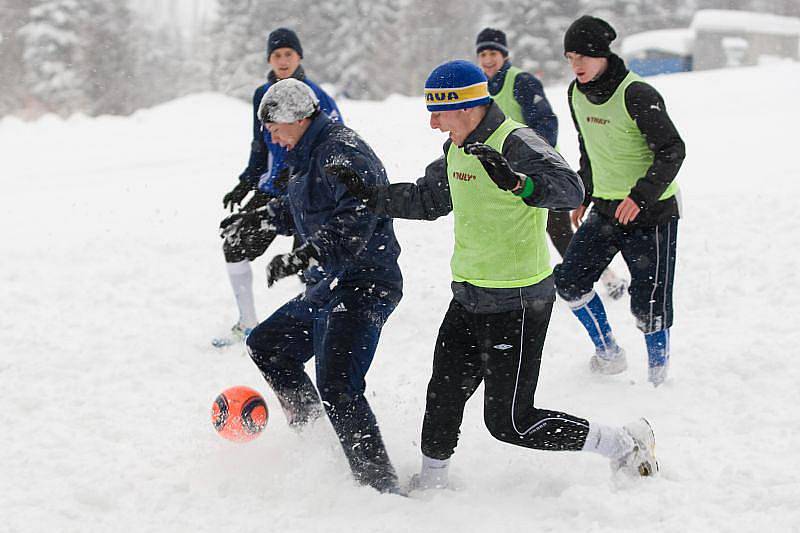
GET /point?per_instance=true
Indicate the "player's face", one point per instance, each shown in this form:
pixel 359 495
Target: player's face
pixel 455 122
pixel 284 61
pixel 490 61
pixel 586 68
pixel 287 135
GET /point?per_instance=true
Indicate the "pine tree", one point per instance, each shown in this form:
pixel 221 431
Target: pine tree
pixel 239 60
pixel 13 16
pixel 369 38
pixel 157 63
pixel 535 32
pixel 53 51
pixel 435 32
pixel 107 61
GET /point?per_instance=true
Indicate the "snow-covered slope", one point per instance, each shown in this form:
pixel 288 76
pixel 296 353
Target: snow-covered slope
pixel 113 283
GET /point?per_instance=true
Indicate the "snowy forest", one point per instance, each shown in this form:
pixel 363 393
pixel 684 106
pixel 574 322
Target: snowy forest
pixel 112 57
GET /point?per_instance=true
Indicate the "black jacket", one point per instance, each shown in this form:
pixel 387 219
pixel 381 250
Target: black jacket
pixel 556 187
pixel 646 106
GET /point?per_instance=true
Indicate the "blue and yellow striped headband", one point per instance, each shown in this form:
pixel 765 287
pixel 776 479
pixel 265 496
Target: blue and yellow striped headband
pixel 456 85
pixel 446 99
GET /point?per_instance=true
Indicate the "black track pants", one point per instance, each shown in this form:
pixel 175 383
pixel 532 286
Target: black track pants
pixel 504 350
pixel 648 251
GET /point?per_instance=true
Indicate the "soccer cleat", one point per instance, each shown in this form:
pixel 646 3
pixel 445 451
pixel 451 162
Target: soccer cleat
pixel 609 363
pixel 641 460
pixel 658 374
pixel 657 356
pixel 238 334
pixel 418 482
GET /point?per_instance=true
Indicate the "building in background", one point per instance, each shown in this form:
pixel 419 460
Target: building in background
pixel 715 39
pixel 659 51
pixel 742 38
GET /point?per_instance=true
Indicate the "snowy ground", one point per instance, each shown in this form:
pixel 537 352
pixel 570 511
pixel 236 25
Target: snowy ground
pixel 113 283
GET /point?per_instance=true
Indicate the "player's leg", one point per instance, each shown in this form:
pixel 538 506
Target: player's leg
pixel 650 255
pixel 279 347
pixel 347 331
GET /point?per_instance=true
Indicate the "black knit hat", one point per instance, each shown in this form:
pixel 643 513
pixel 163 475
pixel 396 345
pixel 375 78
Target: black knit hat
pixel 283 38
pixel 589 36
pixel 491 39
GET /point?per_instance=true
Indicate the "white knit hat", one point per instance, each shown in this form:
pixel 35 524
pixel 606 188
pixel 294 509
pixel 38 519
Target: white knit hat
pixel 287 101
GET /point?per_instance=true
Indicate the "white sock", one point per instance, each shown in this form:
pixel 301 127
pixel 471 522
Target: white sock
pixel 434 472
pixel 608 441
pixel 241 276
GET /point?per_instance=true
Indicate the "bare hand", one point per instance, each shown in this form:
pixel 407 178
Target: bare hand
pixel 576 216
pixel 627 211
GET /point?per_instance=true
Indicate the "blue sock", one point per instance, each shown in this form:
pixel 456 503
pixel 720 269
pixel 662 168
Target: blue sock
pixel 592 315
pixel 657 347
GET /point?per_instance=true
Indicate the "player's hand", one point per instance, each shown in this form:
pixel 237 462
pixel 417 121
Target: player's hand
pixel 258 219
pixel 285 265
pixel 236 195
pixel 350 179
pixel 495 165
pixel 576 216
pixel 627 211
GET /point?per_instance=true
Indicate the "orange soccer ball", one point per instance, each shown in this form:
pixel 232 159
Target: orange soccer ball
pixel 239 414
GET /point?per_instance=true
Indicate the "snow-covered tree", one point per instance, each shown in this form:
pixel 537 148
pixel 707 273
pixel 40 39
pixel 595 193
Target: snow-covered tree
pixel 535 31
pixel 358 46
pixel 53 51
pixel 432 33
pixel 107 60
pixel 13 16
pixel 240 33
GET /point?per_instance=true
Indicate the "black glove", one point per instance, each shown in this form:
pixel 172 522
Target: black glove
pixel 231 226
pixel 257 201
pixel 355 185
pixel 236 195
pixel 495 165
pixel 285 265
pixel 282 179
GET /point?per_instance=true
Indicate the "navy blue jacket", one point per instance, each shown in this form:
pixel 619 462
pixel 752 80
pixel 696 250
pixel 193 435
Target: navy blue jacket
pixel 266 157
pixel 529 94
pixel 356 248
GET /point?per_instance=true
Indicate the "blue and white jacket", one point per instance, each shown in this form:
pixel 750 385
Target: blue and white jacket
pixel 357 249
pixel 267 158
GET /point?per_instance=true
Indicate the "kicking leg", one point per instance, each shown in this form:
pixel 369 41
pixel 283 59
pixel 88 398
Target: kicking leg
pixel 280 346
pixel 512 343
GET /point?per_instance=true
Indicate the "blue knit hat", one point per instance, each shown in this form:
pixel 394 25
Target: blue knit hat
pixel 456 85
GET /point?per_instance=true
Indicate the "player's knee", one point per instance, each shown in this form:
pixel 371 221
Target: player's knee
pixel 233 254
pixel 500 427
pixel 566 285
pixel 268 359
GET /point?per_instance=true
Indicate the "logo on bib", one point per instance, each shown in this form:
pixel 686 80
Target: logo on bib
pixel 597 120
pixel 463 176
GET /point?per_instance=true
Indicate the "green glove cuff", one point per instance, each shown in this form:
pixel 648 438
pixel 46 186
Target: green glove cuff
pixel 527 188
